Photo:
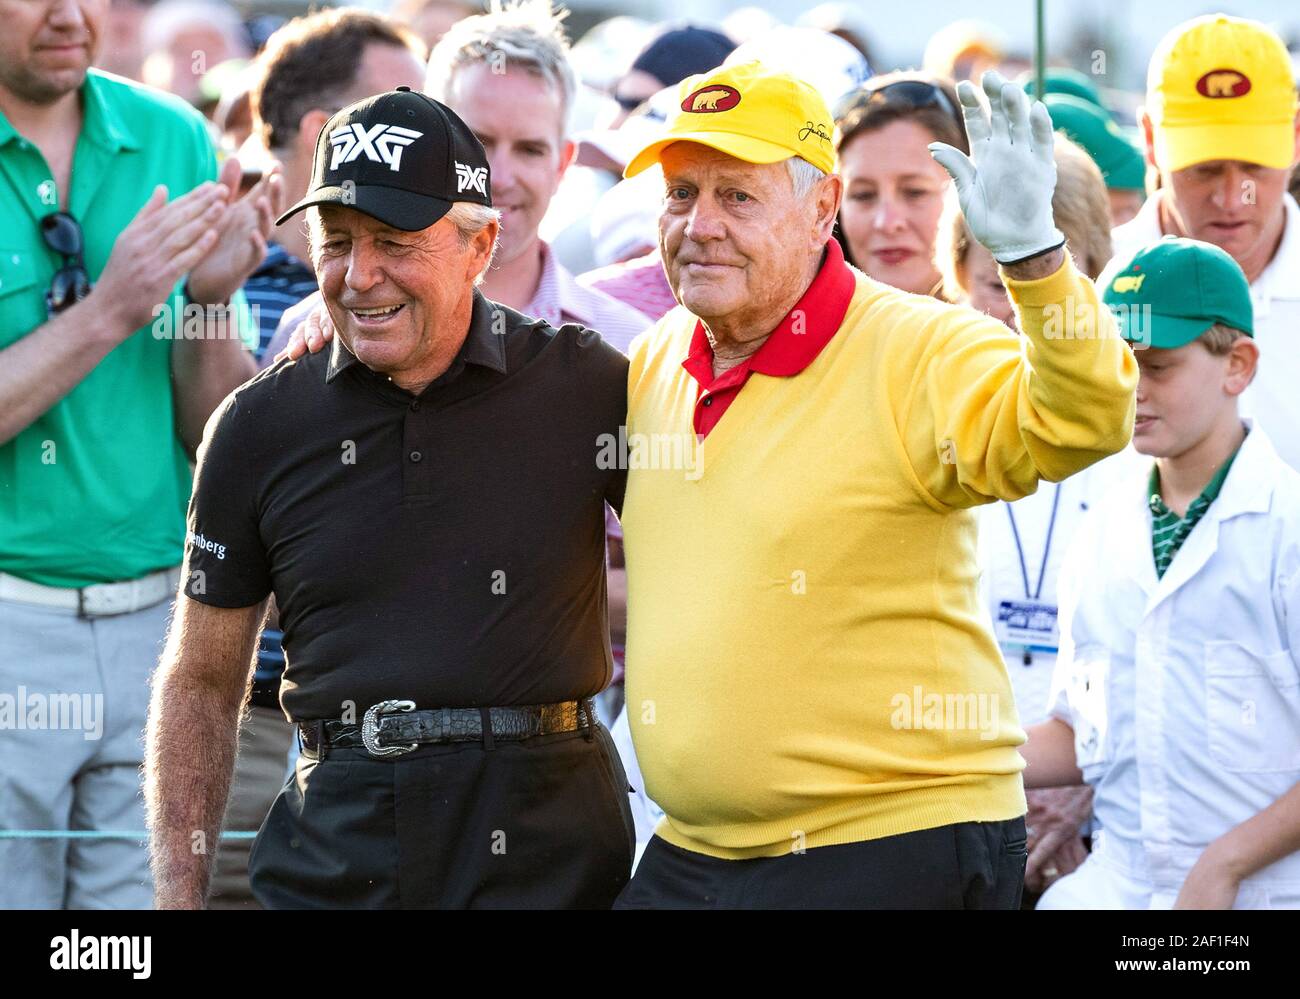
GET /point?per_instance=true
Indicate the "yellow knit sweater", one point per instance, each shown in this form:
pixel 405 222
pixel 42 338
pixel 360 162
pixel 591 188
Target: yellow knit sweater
pixel 808 662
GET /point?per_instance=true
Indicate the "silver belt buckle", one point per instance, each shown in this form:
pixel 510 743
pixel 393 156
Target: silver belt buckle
pixel 370 728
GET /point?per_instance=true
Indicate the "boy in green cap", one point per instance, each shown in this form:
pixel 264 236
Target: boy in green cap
pixel 1176 694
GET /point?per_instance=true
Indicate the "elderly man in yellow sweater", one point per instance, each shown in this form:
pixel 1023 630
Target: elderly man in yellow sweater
pixel 815 696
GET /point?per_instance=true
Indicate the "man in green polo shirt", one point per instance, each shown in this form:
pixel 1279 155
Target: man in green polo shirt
pixel 120 259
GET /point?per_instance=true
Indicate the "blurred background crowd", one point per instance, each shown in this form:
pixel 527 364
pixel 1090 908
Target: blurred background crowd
pixel 211 54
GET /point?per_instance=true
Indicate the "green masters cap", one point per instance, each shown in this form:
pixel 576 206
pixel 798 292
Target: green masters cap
pixel 1119 161
pixel 1172 291
pixel 1063 80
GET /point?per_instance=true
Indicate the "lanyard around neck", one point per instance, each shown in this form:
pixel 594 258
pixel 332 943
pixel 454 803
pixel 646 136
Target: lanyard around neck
pixel 1047 546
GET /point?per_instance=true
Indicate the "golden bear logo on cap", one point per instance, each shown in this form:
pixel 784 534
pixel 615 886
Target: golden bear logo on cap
pixel 710 99
pixel 1223 83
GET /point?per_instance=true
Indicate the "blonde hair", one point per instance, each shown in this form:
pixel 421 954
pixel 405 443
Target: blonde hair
pixel 1220 337
pixel 1080 207
pixel 951 245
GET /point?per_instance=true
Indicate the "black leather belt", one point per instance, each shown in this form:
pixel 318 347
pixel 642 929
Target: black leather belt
pixel 391 728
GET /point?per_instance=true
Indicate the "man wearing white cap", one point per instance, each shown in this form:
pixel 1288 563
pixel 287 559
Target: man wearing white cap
pixel 1221 126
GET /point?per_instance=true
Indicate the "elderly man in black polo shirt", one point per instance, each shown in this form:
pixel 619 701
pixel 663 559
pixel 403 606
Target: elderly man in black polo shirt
pixel 426 504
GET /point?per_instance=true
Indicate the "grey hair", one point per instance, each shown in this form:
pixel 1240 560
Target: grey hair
pixel 528 33
pixel 470 219
pixel 803 176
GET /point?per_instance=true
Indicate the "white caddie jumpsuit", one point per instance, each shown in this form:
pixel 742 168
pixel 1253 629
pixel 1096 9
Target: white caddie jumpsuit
pixel 1183 692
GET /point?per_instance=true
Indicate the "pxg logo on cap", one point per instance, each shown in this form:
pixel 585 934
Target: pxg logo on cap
pixel 471 178
pixel 401 158
pixel 382 144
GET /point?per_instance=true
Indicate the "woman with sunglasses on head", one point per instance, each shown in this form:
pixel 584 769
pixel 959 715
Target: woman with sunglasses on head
pixel 894 189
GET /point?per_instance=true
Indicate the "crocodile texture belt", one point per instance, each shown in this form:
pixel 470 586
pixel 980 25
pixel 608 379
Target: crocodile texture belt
pixel 391 728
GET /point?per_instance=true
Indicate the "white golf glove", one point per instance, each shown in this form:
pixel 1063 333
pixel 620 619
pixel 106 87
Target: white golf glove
pixel 1006 192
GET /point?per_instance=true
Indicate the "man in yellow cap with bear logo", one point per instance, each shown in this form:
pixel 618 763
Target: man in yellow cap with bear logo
pixel 1221 126
pixel 815 697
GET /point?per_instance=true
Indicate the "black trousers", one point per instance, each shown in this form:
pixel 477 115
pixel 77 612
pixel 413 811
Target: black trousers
pixel 971 865
pixel 542 823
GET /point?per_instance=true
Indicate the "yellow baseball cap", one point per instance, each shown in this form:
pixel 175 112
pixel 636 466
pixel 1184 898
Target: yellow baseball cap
pixel 1220 88
pixel 749 112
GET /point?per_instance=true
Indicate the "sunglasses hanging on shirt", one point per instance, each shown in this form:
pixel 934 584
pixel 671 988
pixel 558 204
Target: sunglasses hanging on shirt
pixel 71 283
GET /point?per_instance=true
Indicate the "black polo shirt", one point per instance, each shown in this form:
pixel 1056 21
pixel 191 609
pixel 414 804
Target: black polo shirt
pixel 449 547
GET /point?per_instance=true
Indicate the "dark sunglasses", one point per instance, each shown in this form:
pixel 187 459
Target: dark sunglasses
pixel 909 93
pixel 71 283
pixel 629 104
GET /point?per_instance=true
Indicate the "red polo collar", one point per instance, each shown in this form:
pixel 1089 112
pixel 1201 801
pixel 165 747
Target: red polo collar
pixel 792 346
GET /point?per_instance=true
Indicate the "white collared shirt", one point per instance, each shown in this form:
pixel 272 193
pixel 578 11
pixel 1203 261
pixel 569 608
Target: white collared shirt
pixel 1273 395
pixel 1184 691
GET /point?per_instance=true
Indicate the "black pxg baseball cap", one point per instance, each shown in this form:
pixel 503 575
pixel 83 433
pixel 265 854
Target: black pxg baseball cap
pixel 400 157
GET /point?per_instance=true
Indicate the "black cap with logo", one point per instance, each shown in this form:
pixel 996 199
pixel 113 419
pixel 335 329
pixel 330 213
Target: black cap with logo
pixel 400 157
